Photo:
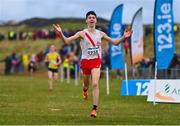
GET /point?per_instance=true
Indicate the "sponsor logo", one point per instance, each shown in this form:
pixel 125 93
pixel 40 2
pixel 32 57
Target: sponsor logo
pixel 167 93
pixel 166 98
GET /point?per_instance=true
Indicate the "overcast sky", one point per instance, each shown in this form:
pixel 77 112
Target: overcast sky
pixel 24 9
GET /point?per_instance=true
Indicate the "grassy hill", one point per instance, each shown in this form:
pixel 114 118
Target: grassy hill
pixel 35 24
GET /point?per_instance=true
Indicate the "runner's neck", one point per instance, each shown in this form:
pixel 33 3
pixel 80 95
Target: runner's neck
pixel 91 30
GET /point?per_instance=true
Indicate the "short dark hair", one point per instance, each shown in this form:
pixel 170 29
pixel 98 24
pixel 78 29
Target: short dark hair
pixel 89 13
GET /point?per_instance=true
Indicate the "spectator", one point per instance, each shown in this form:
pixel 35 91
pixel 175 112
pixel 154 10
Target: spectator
pixel 32 65
pixel 1 37
pixel 12 35
pixel 8 65
pixel 14 61
pixel 25 60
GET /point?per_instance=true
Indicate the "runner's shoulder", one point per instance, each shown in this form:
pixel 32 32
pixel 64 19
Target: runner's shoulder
pixel 102 34
pixel 81 33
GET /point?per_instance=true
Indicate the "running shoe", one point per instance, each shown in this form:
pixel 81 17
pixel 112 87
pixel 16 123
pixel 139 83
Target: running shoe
pixel 85 94
pixel 93 113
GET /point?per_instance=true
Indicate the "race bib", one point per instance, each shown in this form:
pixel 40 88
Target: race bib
pixel 93 51
pixel 53 62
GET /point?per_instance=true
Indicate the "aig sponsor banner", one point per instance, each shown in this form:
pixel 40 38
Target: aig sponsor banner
pixel 135 87
pixel 137 38
pixel 115 31
pixel 163 33
pixel 164 91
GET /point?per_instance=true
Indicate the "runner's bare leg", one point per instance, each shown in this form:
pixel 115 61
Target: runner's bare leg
pixel 86 82
pixel 95 85
pixel 50 80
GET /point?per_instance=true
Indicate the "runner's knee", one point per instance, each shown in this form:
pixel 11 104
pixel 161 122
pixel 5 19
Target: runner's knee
pixel 95 85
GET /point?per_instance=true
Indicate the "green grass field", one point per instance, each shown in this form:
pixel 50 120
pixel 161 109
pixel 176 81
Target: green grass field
pixel 28 102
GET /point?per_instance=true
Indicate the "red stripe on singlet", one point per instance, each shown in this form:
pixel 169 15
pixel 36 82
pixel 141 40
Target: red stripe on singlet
pixel 91 40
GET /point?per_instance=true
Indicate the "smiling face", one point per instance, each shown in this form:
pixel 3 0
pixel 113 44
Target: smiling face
pixel 91 20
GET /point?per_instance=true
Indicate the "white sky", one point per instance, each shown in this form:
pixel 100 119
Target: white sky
pixel 24 9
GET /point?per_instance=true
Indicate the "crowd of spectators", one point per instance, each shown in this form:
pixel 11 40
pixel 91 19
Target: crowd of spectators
pixel 33 35
pixel 70 54
pixel 40 34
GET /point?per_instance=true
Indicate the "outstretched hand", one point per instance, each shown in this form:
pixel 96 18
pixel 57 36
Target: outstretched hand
pixel 57 27
pixel 58 30
pixel 127 33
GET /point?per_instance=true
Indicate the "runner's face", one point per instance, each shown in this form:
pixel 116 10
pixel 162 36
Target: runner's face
pixel 91 20
pixel 53 48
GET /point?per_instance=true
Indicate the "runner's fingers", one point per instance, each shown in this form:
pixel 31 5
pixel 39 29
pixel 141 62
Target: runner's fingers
pixel 54 25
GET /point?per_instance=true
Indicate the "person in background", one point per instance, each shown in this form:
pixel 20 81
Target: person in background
pixel 53 60
pixel 32 66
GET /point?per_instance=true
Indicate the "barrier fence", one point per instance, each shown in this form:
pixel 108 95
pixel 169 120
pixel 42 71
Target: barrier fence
pixel 131 73
pixel 148 73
